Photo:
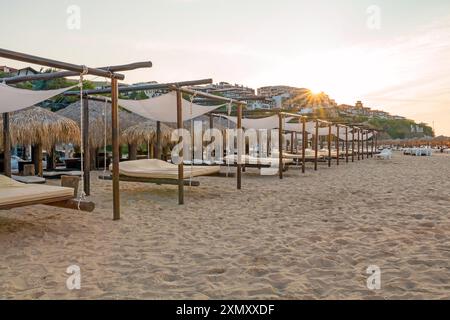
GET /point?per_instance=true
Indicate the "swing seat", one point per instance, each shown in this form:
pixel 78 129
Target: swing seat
pixel 158 169
pixel 14 194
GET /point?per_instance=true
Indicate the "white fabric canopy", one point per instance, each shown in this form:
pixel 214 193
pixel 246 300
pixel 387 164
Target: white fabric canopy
pixel 13 99
pixel 164 108
pixel 259 124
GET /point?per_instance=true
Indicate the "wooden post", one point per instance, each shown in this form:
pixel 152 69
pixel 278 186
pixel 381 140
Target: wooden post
pixel 132 151
pixel 280 145
pixel 158 140
pixel 353 144
pixel 180 140
pixel 359 140
pixel 376 142
pixel 86 148
pixel 362 144
pixel 346 144
pixel 292 142
pixel 329 145
pixel 371 144
pixel 37 159
pixel 316 146
pixel 115 148
pixel 367 145
pixel 338 147
pixel 304 140
pixel 239 140
pixel 6 146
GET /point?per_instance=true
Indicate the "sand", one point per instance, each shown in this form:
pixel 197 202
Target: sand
pixel 309 236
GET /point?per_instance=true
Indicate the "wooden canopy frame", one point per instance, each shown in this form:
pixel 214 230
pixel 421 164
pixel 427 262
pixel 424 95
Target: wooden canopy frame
pixel 71 70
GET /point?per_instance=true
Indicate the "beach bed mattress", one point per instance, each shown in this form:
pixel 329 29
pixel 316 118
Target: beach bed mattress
pixel 158 169
pixel 13 192
pixel 254 160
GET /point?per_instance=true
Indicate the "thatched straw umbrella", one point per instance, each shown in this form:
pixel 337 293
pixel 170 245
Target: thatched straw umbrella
pixel 97 124
pixel 41 128
pixel 145 133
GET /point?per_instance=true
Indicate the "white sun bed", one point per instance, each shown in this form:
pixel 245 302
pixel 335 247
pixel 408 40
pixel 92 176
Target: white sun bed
pixel 158 169
pixel 246 159
pixel 16 194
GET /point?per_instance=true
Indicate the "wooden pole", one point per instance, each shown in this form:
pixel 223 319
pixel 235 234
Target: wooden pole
pixel 6 146
pixel 292 142
pixel 239 140
pixel 304 141
pixel 329 145
pixel 359 141
pixel 280 145
pixel 86 148
pixel 367 145
pixel 316 146
pixel 158 140
pixel 115 148
pixel 353 144
pixel 371 144
pixel 338 147
pixel 346 144
pixel 180 140
pixel 37 159
pixel 18 56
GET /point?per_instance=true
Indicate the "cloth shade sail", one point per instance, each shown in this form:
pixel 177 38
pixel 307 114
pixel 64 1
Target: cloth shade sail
pixel 14 99
pixel 164 108
pixel 259 124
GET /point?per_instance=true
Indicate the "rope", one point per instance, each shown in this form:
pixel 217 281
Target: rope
pixel 82 195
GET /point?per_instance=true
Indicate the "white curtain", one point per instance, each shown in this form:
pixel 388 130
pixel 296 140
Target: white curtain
pixel 164 108
pixel 259 124
pixel 13 99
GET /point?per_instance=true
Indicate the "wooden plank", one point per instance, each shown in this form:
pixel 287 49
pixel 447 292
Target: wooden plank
pixel 6 146
pixel 346 144
pixel 353 144
pixel 115 148
pixel 173 182
pixel 34 202
pixel 338 146
pixel 74 204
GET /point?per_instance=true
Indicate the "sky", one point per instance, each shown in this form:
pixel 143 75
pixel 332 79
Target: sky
pixel 394 55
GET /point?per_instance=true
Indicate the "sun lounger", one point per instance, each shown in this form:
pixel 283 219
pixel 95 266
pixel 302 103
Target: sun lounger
pixel 160 172
pixel 384 155
pixel 14 194
pixel 29 179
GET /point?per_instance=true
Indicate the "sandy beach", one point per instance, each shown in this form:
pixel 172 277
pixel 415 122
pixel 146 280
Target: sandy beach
pixel 308 236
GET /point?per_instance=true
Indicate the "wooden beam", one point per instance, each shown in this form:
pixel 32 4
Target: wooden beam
pixel 18 56
pixel 180 140
pixel 359 140
pixel 64 74
pixel 115 148
pixel 6 145
pixel 86 148
pixel 142 87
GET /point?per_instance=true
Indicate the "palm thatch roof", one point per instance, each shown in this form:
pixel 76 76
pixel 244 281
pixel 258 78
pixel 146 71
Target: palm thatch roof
pixel 145 132
pixel 36 125
pixel 97 120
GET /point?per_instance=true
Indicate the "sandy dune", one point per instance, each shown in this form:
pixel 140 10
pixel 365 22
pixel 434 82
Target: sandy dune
pixel 306 237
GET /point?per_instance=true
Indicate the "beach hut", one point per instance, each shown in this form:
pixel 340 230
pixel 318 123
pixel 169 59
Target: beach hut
pixel 42 129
